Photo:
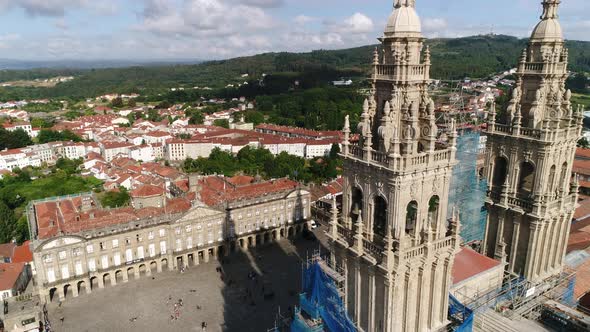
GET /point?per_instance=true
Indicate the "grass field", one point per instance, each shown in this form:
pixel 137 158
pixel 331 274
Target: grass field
pixel 581 99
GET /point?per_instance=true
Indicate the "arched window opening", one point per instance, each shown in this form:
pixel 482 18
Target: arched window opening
pixel 411 216
pixel 527 179
pixel 500 172
pixel 356 204
pixel 551 180
pixel 433 206
pixel 380 216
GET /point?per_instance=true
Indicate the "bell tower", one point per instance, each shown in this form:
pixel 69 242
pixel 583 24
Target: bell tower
pixel 530 152
pixel 393 240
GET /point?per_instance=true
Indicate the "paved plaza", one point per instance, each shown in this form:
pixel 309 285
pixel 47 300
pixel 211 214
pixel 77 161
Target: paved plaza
pixel 255 285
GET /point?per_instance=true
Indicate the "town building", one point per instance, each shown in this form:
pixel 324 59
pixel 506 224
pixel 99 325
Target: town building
pixel 78 247
pixel 393 240
pixel 14 278
pixel 530 153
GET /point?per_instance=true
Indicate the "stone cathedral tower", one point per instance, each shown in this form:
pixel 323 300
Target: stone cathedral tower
pixel 394 242
pixel 530 154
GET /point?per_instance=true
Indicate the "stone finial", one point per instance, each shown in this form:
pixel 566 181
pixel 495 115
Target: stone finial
pixel 550 9
pixel 427 55
pixel 334 220
pixel 386 109
pixel 347 123
pixel 366 106
pixel 376 56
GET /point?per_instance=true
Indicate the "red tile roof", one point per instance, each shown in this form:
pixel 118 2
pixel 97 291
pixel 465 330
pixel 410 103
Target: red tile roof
pixel 216 190
pixel 468 263
pixel 581 167
pixel 583 210
pixel 582 153
pixel 9 273
pixel 22 253
pixel 65 216
pixel 582 285
pixel 147 191
pixel 7 249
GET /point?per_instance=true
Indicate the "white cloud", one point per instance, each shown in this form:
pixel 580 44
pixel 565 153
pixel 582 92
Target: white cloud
pixel 357 23
pixel 59 7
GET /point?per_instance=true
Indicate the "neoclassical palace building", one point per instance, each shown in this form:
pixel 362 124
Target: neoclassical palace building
pixel 394 241
pixel 80 247
pixel 530 153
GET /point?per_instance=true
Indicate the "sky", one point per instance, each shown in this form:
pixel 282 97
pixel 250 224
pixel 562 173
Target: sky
pixel 218 29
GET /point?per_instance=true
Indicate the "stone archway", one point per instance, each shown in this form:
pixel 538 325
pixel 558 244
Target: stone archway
pixel 107 278
pixel 81 286
pixel 52 292
pixel 67 288
pixel 94 283
pixel 130 272
pixel 142 270
pixel 118 276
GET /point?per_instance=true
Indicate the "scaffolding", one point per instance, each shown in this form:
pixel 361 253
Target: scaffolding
pixel 468 190
pixel 321 305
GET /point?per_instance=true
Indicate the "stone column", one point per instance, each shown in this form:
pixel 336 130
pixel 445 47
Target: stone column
pixel 357 291
pixel 100 282
pixel 515 243
pixel 159 266
pixel 206 255
pixel 371 309
pixel 532 247
pixel 196 258
pixel 88 286
pixel 60 293
pixel 125 275
pixel 74 288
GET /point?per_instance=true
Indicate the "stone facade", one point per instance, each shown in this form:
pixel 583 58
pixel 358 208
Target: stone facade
pixel 83 261
pixel 530 152
pixel 393 240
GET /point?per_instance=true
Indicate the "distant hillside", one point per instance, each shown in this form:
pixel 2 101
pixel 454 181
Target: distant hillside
pixel 474 57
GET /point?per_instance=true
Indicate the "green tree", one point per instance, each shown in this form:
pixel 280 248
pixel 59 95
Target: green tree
pixel 195 116
pixel 224 123
pixel 254 117
pixel 14 139
pixel 154 115
pixel 114 199
pixel 577 83
pixel 132 103
pixel 334 151
pixel 47 135
pixel 7 223
pixel 583 143
pixel 117 102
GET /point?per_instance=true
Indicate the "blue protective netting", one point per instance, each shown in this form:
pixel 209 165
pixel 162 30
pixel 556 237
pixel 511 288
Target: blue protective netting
pixel 568 297
pixel 320 297
pixel 462 314
pixel 467 190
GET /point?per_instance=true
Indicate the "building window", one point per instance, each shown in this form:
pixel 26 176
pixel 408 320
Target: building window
pixel 138 237
pixel 78 267
pixel 117 259
pixel 178 245
pixel 91 265
pixel 150 235
pixel 177 230
pixel 152 250
pixel 163 247
pixel 115 243
pixel 47 258
pixel 162 232
pixel 65 272
pixel 90 248
pixel 188 228
pixel 127 241
pixel 62 255
pixel 77 252
pixel 104 261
